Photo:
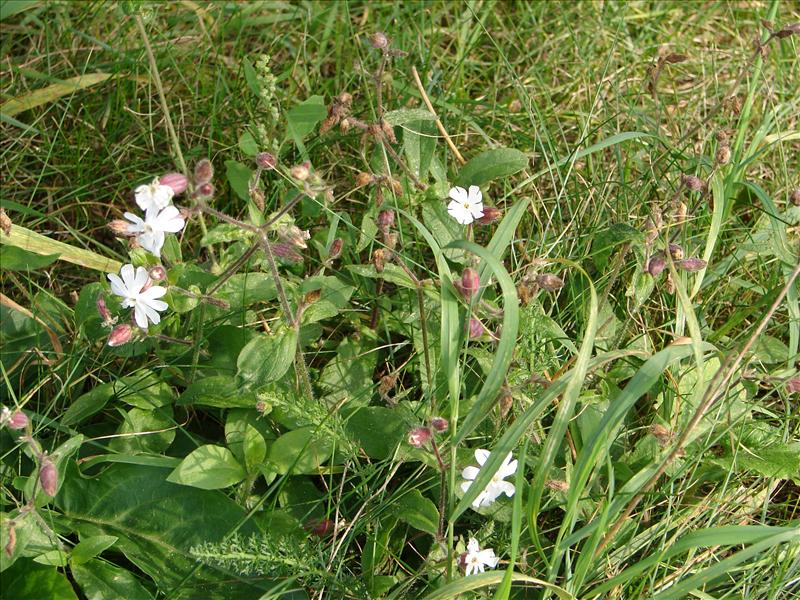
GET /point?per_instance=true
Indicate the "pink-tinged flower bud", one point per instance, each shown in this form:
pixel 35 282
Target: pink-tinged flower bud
pixel 363 179
pixel 385 219
pixel 48 476
pixel 301 172
pixel 379 260
pixel 440 424
pixel 177 181
pixel 379 40
pixel 293 235
pixel 12 540
pixel 262 407
pixel 204 191
pixel 419 436
pixel 656 265
pixel 102 309
pixel 121 334
pixel 691 264
pixel 266 160
pixel 336 249
pixel 549 282
pixel 693 183
pixel 796 197
pixel 557 485
pixel 119 227
pixel 793 386
pixel 157 273
pixel 476 329
pixel 17 420
pixel 462 561
pixel 469 284
pixel 321 528
pixel 490 215
pixel 286 252
pixel 676 252
pixel 203 172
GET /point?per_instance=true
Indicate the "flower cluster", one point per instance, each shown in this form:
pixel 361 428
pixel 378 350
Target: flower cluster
pixel 496 486
pixel 160 216
pixel 475 560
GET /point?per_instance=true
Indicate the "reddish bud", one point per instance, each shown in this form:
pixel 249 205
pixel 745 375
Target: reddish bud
pixel 286 252
pixel 121 334
pixel 469 284
pixel 321 528
pixel 691 264
pixel 440 424
pixel 157 273
pixel 656 265
pixel 204 191
pixel 266 160
pixel 119 227
pixel 5 222
pixel 476 329
pixel 48 476
pixel 419 436
pixel 203 172
pixel 793 386
pixel 379 40
pixel 292 234
pixel 363 179
pixel 17 420
pixel 549 282
pixel 676 252
pixel 177 181
pixel 102 309
pixel 796 197
pixel 300 172
pixel 336 249
pixel 385 219
pixel 693 183
pixel 490 215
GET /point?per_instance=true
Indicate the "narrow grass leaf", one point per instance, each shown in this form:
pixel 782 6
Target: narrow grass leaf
pixel 52 92
pixel 39 244
pixel 481 580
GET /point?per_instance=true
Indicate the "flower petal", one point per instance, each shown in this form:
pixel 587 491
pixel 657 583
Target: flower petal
pixel 141 278
pixel 475 195
pixel 504 487
pixel 473 546
pixel 140 316
pixel 128 274
pixel 509 467
pixel 153 292
pixel 150 313
pixel 117 286
pixel 459 194
pixel 476 210
pixel 470 472
pixel 465 486
pixel 481 455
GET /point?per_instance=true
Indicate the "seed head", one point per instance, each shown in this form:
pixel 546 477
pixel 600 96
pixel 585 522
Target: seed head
pixel 177 181
pixel 676 252
pixel 693 183
pixel 724 155
pixel 336 249
pixel 379 259
pixel 203 172
pixel 386 219
pixel 119 227
pixel 5 222
pixel 557 485
pixel 549 282
pixel 363 179
pixel 419 436
pixel 286 252
pixel 300 172
pixel 388 131
pixel 157 273
pixel 379 41
pixel 266 160
pixel 796 197
pixel 661 433
pixel 656 265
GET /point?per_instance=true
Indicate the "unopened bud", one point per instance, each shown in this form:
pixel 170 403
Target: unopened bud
pixel 390 239
pixel 363 179
pixel 419 436
pixel 262 407
pixel 469 284
pixel 300 172
pixel 793 386
pixel 661 433
pixel 385 219
pixel 121 334
pixel 286 252
pixel 490 215
pixel 388 131
pixel 266 160
pixel 693 183
pixel 103 311
pixel 336 249
pixel 379 259
pixel 656 265
pixel 344 125
pixel 440 424
pixel 119 227
pixel 321 528
pixel 295 236
pixel 796 197
pixel 691 264
pixel 203 172
pixel 157 273
pixel 12 540
pixel 48 476
pixel 476 329
pixel 724 155
pixel 312 296
pixel 17 420
pixel 557 485
pixel 549 282
pixel 675 251
pixel 379 40
pixel 177 181
pixel 204 191
pixel 5 222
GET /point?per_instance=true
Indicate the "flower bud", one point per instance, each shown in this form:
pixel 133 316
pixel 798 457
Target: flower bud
pixel 693 183
pixel 557 485
pixel 796 197
pixel 12 540
pixel 469 284
pixel 102 309
pixel 48 476
pixel 661 433
pixel 17 420
pixel 363 179
pixel 379 259
pixel 691 264
pixel 300 172
pixel 204 191
pixel 336 249
pixel 676 252
pixel 262 407
pixel 379 40
pixel 5 222
pixel 203 172
pixel 656 265
pixel 321 528
pixel 724 155
pixel 419 436
pixel 292 234
pixel 177 181
pixel 440 424
pixel 388 131
pixel 121 334
pixel 476 329
pixel 490 215
pixel 549 282
pixel 286 252
pixel 793 386
pixel 266 160
pixel 385 219
pixel 119 227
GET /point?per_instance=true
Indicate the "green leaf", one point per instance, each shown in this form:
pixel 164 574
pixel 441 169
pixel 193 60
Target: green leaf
pixel 402 116
pixel 255 448
pixel 91 546
pixel 606 240
pixel 53 558
pixel 224 233
pixel 145 432
pixel 245 289
pixel 781 461
pixel 51 93
pixel 100 580
pixel 251 77
pixel 238 424
pixel 492 164
pixel 25 580
pixel 377 429
pixel 143 390
pixel 477 581
pixel 301 451
pixel 267 357
pixel 61 458
pixel 17 259
pixel 88 404
pixel 303 118
pixel 418 511
pixel 239 178
pixel 349 373
pixel 208 468
pixel 419 144
pixel 219 391
pixel 9 8
pixel 248 144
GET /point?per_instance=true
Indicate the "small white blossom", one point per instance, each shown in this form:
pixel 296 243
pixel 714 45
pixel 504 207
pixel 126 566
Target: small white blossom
pixel 496 486
pixel 465 206
pixel 132 287
pixel 476 560
pixel 151 231
pixel 154 195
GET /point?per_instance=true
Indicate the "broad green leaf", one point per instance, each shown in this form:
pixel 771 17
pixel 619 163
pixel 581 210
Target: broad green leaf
pixel 16 259
pixel 303 118
pixel 255 448
pixel 53 558
pixel 224 233
pixel 267 357
pixel 88 404
pixel 26 580
pixel 418 511
pixel 245 289
pixel 239 426
pixel 301 451
pixel 208 468
pixel 91 546
pixel 9 8
pixel 402 116
pixel 248 144
pixel 606 240
pixel 239 178
pixel 349 373
pixel 377 429
pixel 143 390
pixel 145 431
pixel 100 580
pixel 219 391
pixel 51 92
pixel 391 273
pixel 781 461
pixel 492 164
pixel 419 143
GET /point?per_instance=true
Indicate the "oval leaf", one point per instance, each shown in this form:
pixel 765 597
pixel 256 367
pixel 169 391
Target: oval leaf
pixel 492 164
pixel 208 468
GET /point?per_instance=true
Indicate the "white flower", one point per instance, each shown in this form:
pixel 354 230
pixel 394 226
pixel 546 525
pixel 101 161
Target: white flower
pixel 150 232
pixel 496 486
pixel 143 300
pixel 475 559
pixel 465 206
pixel 154 195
